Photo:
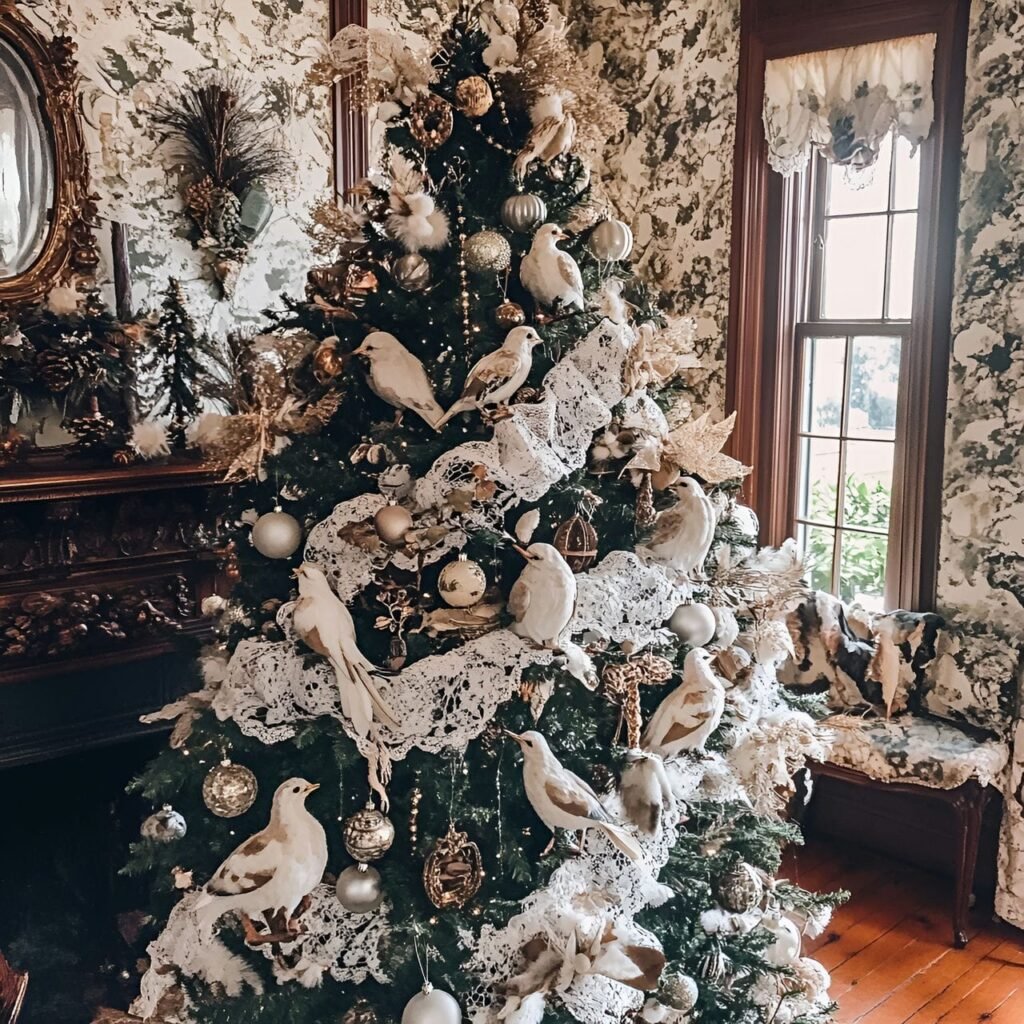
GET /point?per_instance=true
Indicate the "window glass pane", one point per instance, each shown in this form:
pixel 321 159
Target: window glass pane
pixel 862 569
pixel 908 176
pixel 817 542
pixel 819 479
pixel 868 492
pixel 854 270
pixel 874 388
pixel 824 365
pixel 901 273
pixel 866 191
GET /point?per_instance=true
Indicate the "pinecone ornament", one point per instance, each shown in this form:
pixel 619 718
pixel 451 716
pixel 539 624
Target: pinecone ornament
pixel 55 370
pixel 93 430
pixel 225 216
pixel 645 511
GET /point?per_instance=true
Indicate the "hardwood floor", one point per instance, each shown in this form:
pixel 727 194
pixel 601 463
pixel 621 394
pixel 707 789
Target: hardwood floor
pixel 888 949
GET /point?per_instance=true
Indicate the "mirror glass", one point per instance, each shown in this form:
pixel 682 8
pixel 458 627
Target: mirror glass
pixel 26 167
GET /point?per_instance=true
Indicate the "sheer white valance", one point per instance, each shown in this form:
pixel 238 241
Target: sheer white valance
pixel 846 101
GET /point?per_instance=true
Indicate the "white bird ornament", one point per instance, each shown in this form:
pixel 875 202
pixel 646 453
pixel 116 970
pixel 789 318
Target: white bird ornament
pixel 273 872
pixel 416 222
pixel 397 377
pixel 683 534
pixel 543 599
pixel 552 135
pixel 496 377
pixel 690 713
pixel 562 799
pixel 551 276
pixel 645 791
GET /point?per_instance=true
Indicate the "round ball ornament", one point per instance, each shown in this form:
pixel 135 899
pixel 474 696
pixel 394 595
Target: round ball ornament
pixel 359 889
pixel 576 541
pixel 712 964
pixel 681 992
pixel 432 1006
pixel 785 950
pixel 611 240
pixel 392 522
pixel 368 834
pixel 276 534
pixel 487 252
pixel 523 213
pixel 430 121
pixel 412 272
pixel 473 96
pixel 461 583
pixel 229 789
pixel 328 362
pixel 164 826
pixel 509 314
pixel 740 889
pixel 694 624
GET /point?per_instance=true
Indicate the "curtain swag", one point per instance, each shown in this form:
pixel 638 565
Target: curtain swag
pixel 847 101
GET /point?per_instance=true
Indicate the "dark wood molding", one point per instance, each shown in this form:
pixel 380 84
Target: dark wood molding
pixel 351 124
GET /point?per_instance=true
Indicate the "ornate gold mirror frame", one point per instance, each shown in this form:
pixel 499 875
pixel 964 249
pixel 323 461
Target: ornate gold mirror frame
pixel 70 248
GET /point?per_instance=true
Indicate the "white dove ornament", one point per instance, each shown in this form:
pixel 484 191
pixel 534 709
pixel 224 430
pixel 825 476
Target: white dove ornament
pixel 683 534
pixel 543 599
pixel 397 377
pixel 688 716
pixel 273 872
pixel 551 276
pixel 552 135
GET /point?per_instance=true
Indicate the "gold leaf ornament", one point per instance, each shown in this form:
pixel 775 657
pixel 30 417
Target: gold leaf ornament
pixel 696 448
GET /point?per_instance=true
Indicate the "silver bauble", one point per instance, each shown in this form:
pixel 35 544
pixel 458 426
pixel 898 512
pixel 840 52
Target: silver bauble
pixel 694 624
pixel 740 889
pixel 359 889
pixel 432 1006
pixel 392 522
pixel 461 583
pixel 680 991
pixel 523 213
pixel 611 240
pixel 276 534
pixel 368 834
pixel 412 272
pixel 164 826
pixel 229 789
pixel 487 252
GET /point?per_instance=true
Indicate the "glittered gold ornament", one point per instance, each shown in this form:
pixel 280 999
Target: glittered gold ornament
pixel 229 789
pixel 453 872
pixel 523 213
pixel 461 583
pixel 576 542
pixel 509 314
pixel 328 362
pixel 611 240
pixel 412 272
pixel 487 252
pixel 473 96
pixel 392 522
pixel 368 834
pixel 430 121
pixel 14 447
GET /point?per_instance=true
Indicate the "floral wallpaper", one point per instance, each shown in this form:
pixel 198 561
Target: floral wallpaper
pixel 129 53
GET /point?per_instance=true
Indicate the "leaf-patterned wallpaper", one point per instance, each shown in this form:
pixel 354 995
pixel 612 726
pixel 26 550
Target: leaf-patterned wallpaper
pixel 129 52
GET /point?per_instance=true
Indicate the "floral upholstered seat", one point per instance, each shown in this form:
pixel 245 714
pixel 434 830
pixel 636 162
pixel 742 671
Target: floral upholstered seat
pixel 918 749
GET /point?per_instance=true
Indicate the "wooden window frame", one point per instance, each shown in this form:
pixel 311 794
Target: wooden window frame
pixel 351 124
pixel 767 265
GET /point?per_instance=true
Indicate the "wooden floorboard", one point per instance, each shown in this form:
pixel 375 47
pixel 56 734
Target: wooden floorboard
pixel 888 949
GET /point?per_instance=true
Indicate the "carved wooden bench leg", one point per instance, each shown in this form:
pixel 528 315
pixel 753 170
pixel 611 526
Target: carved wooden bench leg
pixel 969 807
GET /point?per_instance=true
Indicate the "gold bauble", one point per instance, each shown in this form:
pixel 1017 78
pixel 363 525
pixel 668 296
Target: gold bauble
pixel 368 834
pixel 473 96
pixel 328 362
pixel 392 522
pixel 430 121
pixel 487 252
pixel 576 542
pixel 229 789
pixel 453 872
pixel 509 315
pixel 14 447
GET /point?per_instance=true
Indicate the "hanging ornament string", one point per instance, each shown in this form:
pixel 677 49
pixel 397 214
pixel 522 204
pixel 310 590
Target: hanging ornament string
pixel 422 961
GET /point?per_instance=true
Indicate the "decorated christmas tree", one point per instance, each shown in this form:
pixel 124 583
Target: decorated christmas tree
pixel 493 729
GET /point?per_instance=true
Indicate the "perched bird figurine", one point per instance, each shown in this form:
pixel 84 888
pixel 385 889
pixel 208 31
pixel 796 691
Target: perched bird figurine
pixel 690 713
pixel 324 624
pixel 562 799
pixel 683 534
pixel 496 377
pixel 645 791
pixel 551 276
pixel 416 222
pixel 552 135
pixel 273 872
pixel 397 377
pixel 543 599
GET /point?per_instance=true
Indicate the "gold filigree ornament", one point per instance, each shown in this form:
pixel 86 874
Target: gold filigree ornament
pixel 453 872
pixel 430 121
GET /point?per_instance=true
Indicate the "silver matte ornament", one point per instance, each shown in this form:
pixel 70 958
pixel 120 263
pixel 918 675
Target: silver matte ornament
pixel 487 252
pixel 276 534
pixel 359 889
pixel 229 789
pixel 694 624
pixel 392 522
pixel 368 834
pixel 412 272
pixel 611 240
pixel 432 1006
pixel 461 583
pixel 523 213
pixel 164 826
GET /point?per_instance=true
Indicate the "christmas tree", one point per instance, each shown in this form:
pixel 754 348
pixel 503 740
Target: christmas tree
pixel 527 648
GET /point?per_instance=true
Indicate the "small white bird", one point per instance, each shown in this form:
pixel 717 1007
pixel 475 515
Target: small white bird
pixel 324 624
pixel 690 713
pixel 552 135
pixel 398 377
pixel 683 534
pixel 562 799
pixel 543 599
pixel 416 222
pixel 645 791
pixel 551 276
pixel 272 872
pixel 496 377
